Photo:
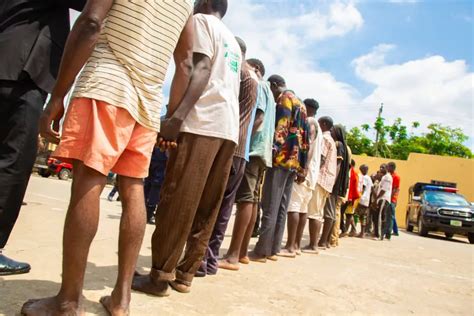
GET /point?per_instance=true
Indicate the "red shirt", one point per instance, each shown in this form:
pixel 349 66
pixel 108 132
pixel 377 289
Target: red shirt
pixel 354 193
pixel 395 187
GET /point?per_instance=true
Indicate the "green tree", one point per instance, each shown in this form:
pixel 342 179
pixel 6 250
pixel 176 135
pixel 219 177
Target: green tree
pixel 446 141
pixel 359 142
pixel 396 142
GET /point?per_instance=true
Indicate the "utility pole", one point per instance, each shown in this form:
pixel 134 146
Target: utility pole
pixel 377 135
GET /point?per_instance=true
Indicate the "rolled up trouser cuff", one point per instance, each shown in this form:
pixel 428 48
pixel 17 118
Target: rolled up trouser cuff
pixel 184 277
pixel 160 276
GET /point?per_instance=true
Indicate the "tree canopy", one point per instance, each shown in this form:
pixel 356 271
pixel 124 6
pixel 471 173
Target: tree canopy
pixel 397 142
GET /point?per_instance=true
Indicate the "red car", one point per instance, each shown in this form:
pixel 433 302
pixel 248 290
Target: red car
pixel 56 167
pixel 62 169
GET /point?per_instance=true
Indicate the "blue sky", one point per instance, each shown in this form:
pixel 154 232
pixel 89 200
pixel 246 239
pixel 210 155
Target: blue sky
pixel 414 56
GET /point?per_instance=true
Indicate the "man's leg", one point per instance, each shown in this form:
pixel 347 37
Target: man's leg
pixel 247 198
pixel 289 179
pixel 80 228
pixel 21 104
pixel 329 220
pixel 186 175
pixel 248 234
pixel 241 224
pixel 225 212
pixel 293 223
pixel 315 214
pixel 298 203
pixel 273 189
pixel 388 220
pixel 394 218
pixel 132 229
pixel 299 231
pixel 336 228
pixel 205 217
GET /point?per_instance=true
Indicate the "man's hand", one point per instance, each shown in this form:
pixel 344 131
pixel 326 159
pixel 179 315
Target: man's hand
pixel 301 176
pixel 49 121
pixel 169 131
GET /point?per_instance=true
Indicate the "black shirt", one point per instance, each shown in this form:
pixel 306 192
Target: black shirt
pixel 33 34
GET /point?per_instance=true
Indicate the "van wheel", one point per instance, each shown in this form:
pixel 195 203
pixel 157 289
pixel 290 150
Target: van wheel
pixel 470 236
pixel 64 174
pixel 422 230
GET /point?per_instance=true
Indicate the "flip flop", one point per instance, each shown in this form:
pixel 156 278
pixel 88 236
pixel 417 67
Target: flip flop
pixel 286 254
pixel 226 265
pixel 272 258
pixel 244 260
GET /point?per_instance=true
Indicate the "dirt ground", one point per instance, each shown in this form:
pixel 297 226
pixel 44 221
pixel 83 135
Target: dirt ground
pixel 408 275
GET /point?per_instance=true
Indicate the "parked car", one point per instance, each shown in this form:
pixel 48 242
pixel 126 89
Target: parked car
pixel 62 169
pixel 434 207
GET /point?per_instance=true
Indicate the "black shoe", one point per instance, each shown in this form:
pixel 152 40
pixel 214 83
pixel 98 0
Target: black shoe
pixel 9 266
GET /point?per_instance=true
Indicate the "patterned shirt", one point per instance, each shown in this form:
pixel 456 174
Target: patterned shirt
pixel 129 62
pixel 291 142
pixel 247 99
pixel 328 171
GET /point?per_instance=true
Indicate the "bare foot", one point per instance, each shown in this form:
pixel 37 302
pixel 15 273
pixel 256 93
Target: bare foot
pixel 244 260
pixel 51 306
pixel 145 284
pixel 180 287
pixel 227 265
pixel 311 250
pixel 272 258
pixel 114 309
pixel 287 253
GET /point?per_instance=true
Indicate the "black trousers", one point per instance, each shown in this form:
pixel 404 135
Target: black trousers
pixel 21 104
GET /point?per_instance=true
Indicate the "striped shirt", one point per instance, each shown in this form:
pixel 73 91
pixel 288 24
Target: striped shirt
pixel 129 63
pixel 247 102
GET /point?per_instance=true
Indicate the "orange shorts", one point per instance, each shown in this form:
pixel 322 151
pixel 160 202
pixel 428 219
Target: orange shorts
pixel 105 138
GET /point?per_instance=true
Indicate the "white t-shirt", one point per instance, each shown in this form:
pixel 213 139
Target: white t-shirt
pixel 314 156
pixel 365 181
pixel 216 113
pixel 386 185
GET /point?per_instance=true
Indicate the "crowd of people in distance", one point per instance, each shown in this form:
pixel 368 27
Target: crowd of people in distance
pixel 230 136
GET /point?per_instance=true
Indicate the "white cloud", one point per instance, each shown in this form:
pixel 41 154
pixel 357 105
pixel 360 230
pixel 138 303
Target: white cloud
pixel 428 90
pixel 281 43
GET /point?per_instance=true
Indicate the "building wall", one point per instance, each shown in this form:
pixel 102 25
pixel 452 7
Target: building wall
pixel 424 168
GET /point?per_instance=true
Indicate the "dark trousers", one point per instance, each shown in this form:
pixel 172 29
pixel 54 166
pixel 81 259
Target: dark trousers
pixel 195 181
pixel 275 199
pixel 225 212
pixel 21 104
pixel 394 228
pixel 154 181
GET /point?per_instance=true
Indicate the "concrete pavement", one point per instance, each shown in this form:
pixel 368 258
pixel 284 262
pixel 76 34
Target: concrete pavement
pixel 408 275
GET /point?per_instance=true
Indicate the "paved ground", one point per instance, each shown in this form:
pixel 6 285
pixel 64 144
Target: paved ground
pixel 409 275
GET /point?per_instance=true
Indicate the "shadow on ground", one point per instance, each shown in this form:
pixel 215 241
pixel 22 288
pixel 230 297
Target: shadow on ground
pixel 440 236
pixel 16 292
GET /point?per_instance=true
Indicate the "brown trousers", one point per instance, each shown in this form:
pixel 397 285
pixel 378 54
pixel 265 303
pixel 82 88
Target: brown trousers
pixel 195 180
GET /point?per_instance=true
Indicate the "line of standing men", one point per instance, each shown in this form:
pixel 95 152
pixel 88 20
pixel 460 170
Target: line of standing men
pixel 224 127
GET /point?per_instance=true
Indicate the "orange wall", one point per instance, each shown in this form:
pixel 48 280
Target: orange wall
pixel 424 168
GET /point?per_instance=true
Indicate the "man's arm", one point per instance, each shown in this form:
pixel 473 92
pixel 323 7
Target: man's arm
pixel 258 121
pixel 200 78
pixel 79 47
pixel 183 59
